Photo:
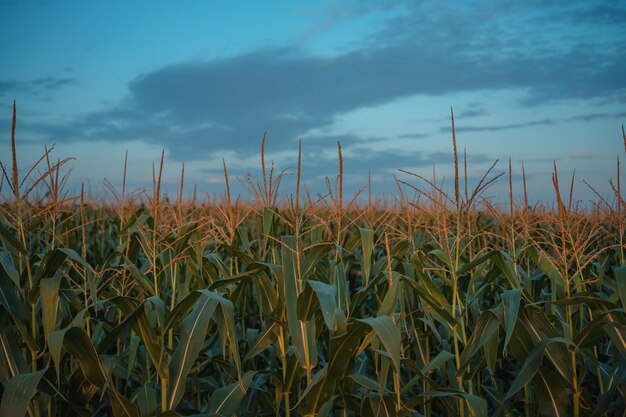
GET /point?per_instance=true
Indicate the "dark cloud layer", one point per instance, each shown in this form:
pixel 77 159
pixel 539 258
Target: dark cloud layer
pixel 204 106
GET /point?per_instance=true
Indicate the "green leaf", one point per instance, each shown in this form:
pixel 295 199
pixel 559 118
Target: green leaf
pixel 532 363
pixel 6 261
pixel 55 341
pixel 442 256
pixel 140 277
pixel 147 400
pixel 389 335
pixel 265 339
pixel 122 406
pixel 327 407
pixel 390 302
pixel 10 299
pixel 53 260
pixel 501 260
pixel 133 346
pixel 552 395
pixel 307 304
pixel 338 279
pixel 314 256
pixel 487 325
pixel 477 405
pixel 593 332
pixel 617 332
pixel 49 289
pixel 181 310
pixel 135 317
pixel 534 327
pixel 365 382
pixel 11 359
pixel 441 358
pixel 18 393
pixel 320 387
pixel 367 247
pixel 293 373
pixel 491 350
pixel 233 279
pixel 159 308
pixel 546 266
pixel 511 301
pixel 225 319
pixel 433 301
pixel 225 401
pixel 342 351
pixel 504 263
pixel 10 240
pixel 381 406
pixel 620 276
pixel 268 220
pixel 77 343
pixel 327 297
pixel 193 332
pixel 302 334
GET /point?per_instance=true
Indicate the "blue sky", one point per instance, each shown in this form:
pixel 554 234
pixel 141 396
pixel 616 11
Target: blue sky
pixel 537 81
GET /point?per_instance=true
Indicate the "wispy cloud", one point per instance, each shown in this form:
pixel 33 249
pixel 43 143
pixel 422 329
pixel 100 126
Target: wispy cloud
pixel 36 87
pixel 413 135
pixel 494 128
pixel 595 116
pixel 476 112
pixel 584 155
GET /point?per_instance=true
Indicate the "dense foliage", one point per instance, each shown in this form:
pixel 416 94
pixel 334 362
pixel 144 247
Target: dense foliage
pixel 431 305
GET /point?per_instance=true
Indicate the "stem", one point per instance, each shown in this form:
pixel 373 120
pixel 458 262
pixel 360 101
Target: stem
pixel 163 395
pixel 283 357
pixel 526 401
pixel 457 354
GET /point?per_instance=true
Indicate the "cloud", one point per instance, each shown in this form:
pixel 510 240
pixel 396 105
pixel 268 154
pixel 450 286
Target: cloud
pixel 35 87
pixel 413 135
pixel 584 155
pixel 196 108
pixel 203 106
pixel 609 13
pixel 494 128
pixel 473 113
pixel 596 116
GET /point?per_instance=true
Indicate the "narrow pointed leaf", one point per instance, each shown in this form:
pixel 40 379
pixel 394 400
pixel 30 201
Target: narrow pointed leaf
pixel 18 393
pixel 511 301
pixel 389 335
pixel 225 401
pixel 49 288
pixel 532 363
pixel 193 331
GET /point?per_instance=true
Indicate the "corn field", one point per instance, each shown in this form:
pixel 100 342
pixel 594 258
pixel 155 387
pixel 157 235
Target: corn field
pixel 435 304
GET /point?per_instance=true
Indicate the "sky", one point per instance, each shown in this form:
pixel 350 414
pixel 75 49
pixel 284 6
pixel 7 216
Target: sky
pixel 540 82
